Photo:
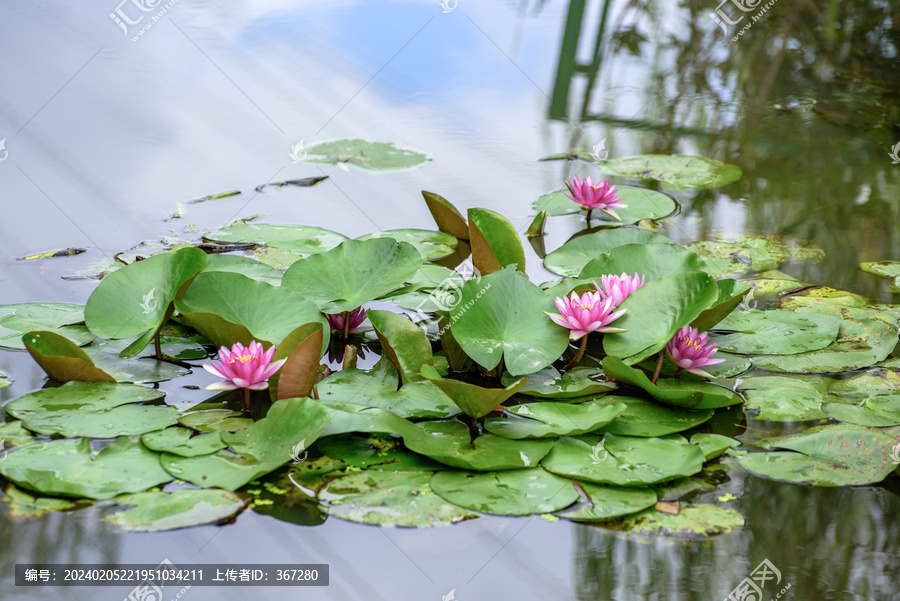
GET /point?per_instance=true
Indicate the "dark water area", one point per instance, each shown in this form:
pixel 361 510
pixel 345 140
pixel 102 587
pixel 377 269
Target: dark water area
pixel 108 137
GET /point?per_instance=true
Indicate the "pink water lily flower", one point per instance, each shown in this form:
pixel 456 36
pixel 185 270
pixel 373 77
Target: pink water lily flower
pixel 592 196
pixel 585 314
pixel 618 287
pixel 692 350
pixel 243 367
pixel 357 316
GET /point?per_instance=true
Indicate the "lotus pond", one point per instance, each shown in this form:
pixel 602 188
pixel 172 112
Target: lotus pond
pixel 608 316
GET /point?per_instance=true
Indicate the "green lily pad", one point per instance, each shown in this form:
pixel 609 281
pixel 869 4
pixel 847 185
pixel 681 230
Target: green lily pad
pixel 733 253
pixel 475 401
pixel 731 294
pixel 642 204
pixel 777 332
pixel 834 455
pixel 885 412
pixel 390 499
pixel 713 445
pixel 449 442
pixel 860 343
pixel 159 511
pixel 430 244
pixel 625 460
pixel 215 420
pixel 181 349
pixel 378 388
pixel 284 496
pixel 570 258
pixel 67 468
pixel 609 502
pixel 126 420
pixel 59 318
pixel 495 242
pixel 646 418
pixel 137 299
pixel 62 359
pixel 298 239
pixel 501 316
pixel 178 441
pixel 290 426
pixel 246 266
pixel 732 366
pixel 375 452
pixel 554 419
pixel 230 307
pixel 302 350
pixel 403 342
pixel 676 170
pixel 369 156
pixel 692 521
pixel 4 380
pixel 874 382
pixel 548 383
pixel 23 505
pixel 656 311
pixel 106 355
pixel 686 394
pixel 785 398
pixel 14 434
pixel 446 216
pixel 353 273
pixel 884 269
pixel 652 261
pixel 518 492
pixel 94 396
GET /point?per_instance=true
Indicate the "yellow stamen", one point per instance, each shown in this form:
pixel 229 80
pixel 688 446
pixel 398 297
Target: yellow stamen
pixel 241 358
pixel 690 342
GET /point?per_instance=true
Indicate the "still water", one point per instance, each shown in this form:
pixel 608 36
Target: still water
pixel 109 127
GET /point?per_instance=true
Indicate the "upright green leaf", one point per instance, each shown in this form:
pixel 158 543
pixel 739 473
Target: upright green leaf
pixel 137 299
pixel 495 242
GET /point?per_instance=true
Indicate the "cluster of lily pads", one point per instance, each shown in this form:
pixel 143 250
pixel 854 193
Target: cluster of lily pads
pixel 587 397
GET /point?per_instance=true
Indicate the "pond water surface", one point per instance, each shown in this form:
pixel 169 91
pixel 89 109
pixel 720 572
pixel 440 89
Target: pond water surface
pixel 107 136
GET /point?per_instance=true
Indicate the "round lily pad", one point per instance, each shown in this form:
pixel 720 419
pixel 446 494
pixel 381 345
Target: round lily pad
pixel 16 319
pixel 642 204
pixel 570 258
pixel 578 382
pixel 158 511
pixel 776 332
pixel 450 442
pixel 68 468
pixel 676 170
pixel 370 156
pixel 390 499
pixel 692 521
pixel 646 418
pixel 518 492
pixel 785 398
pixel 247 266
pixel 882 415
pixel 375 452
pixel 542 420
pixel 126 420
pixel 215 420
pixel 834 455
pixel 86 396
pixel 298 239
pixel 179 441
pixel 609 502
pixel 624 460
pixel 734 253
pixel 430 244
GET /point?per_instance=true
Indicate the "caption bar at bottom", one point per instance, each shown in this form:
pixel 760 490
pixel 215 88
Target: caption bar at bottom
pixel 198 574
